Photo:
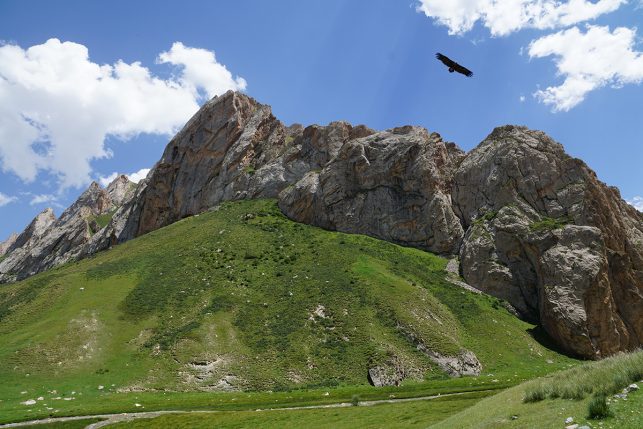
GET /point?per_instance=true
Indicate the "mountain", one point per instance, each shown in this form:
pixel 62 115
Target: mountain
pixel 48 242
pixel 528 223
pixel 6 245
pixel 242 298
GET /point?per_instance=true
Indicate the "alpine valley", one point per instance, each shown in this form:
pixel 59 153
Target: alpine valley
pixel 261 266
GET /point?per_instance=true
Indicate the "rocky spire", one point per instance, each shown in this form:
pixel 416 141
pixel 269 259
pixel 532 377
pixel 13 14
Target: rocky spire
pixel 5 245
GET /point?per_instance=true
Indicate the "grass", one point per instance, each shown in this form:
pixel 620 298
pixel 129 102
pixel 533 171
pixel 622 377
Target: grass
pixel 549 224
pixel 598 407
pixel 103 220
pixel 418 414
pixel 488 216
pixel 604 377
pixel 497 411
pixel 260 302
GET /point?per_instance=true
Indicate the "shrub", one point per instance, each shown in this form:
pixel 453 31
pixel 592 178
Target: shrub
pixel 598 407
pixel 355 400
pixel 535 394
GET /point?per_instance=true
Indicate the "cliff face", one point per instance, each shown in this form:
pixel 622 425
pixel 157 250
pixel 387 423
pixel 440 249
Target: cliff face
pixel 392 185
pixel 48 242
pixel 530 224
pixel 545 234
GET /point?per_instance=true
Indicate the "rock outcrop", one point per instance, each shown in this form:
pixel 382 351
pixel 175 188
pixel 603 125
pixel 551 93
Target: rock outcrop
pixel 393 185
pixel 546 235
pixel 530 224
pixel 5 245
pixel 36 229
pixel 48 242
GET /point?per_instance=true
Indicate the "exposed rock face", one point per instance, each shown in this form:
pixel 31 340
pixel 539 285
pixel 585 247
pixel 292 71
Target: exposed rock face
pixel 49 242
pixel 233 148
pixel 5 245
pixel 530 224
pixel 34 230
pixel 224 152
pixel 547 236
pixel 392 185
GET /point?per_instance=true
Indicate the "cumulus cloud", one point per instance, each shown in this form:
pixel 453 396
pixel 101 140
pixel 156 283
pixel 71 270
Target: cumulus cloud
pixel 588 60
pixel 106 180
pixel 503 17
pixel 201 71
pixel 134 177
pixel 57 106
pixel 6 199
pixel 637 203
pixel 139 175
pixel 43 198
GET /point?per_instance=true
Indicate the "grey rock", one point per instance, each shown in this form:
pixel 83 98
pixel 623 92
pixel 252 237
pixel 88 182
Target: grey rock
pixel 392 185
pixel 48 242
pixel 464 362
pixel 381 376
pixel 392 373
pixel 544 234
pixel 530 224
pixel 36 229
pixel 5 245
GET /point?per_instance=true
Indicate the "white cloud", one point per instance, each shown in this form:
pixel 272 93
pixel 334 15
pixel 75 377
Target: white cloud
pixel 636 202
pixel 106 180
pixel 139 175
pixel 201 70
pixel 57 106
pixel 502 17
pixel 43 198
pixel 522 98
pixel 134 177
pixel 6 199
pixel 588 60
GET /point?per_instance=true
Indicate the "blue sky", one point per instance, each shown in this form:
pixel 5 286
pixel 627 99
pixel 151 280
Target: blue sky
pixel 63 123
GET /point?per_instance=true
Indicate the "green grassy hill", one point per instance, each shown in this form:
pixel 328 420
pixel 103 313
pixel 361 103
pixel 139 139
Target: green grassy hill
pixel 242 298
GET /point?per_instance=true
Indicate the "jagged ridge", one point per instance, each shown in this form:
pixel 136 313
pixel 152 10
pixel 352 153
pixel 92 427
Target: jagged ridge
pixel 530 224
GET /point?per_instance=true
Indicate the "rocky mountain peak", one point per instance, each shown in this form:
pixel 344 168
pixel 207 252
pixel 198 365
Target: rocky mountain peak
pixel 119 190
pixel 48 241
pixel 529 223
pixel 36 229
pixel 5 245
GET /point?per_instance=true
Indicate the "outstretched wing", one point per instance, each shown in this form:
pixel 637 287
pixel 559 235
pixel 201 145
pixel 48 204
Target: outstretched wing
pixel 460 69
pixel 453 65
pixel 446 60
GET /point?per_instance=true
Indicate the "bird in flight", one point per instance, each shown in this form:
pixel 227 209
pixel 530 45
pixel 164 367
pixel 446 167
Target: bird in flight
pixel 453 66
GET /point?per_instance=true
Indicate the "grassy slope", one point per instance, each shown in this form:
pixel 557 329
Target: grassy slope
pixel 608 376
pixel 275 304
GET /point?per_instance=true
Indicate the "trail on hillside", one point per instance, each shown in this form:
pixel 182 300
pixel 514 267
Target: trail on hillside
pixel 124 417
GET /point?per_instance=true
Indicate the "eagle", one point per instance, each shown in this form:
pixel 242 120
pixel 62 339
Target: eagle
pixel 453 66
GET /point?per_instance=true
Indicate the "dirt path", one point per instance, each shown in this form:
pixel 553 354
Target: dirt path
pixel 124 417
